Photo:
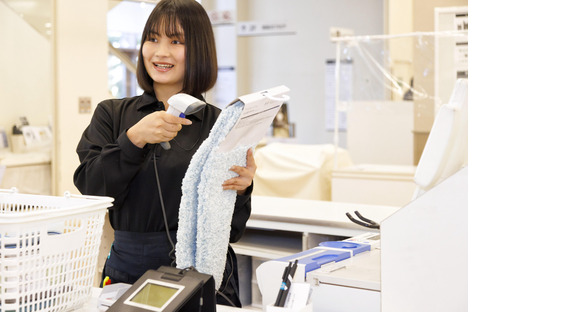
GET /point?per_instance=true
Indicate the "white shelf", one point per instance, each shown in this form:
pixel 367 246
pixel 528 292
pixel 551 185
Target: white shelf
pixel 268 244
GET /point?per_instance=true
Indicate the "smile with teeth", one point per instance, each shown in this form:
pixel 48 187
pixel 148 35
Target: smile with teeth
pixel 164 66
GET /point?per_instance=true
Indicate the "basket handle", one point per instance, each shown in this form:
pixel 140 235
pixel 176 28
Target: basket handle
pixel 64 242
pixel 68 194
pixel 12 190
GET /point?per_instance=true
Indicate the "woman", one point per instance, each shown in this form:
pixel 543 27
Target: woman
pixel 120 155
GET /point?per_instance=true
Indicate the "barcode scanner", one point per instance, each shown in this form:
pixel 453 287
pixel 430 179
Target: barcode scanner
pixel 181 105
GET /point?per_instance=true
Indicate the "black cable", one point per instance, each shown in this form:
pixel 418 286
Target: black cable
pixel 224 296
pixel 356 221
pixel 227 281
pixel 369 223
pixel 365 219
pixel 172 251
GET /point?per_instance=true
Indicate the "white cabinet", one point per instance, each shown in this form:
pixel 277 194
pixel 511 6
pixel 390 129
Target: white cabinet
pixel 280 227
pixel 29 172
pixel 391 185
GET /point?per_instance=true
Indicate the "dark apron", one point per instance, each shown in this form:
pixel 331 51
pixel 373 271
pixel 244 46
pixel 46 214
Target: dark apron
pixel 132 254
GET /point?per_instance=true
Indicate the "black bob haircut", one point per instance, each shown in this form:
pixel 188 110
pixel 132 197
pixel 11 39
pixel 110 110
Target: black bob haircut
pixel 200 50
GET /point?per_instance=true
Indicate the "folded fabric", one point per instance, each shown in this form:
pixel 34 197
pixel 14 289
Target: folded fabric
pixel 206 210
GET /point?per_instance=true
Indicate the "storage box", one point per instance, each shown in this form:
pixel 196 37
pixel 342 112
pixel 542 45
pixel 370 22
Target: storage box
pixel 371 184
pixel 48 250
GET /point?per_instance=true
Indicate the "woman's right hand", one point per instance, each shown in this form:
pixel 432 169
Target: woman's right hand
pixel 155 128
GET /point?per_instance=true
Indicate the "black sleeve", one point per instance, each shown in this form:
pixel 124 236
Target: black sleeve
pixel 108 159
pixel 242 211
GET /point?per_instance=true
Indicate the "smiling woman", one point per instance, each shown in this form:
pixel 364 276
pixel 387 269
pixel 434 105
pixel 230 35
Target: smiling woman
pixel 120 156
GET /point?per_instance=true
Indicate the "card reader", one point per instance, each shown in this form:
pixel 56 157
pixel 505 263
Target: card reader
pixel 169 289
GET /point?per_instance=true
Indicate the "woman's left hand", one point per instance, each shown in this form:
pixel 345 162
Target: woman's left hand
pixel 245 175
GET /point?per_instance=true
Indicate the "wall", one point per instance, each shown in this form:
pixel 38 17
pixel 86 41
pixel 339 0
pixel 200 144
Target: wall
pixel 424 21
pixel 298 61
pixel 25 72
pixel 29 83
pixel 80 50
pixel 399 21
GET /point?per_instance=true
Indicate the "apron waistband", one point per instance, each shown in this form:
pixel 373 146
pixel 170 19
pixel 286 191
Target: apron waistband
pixel 145 238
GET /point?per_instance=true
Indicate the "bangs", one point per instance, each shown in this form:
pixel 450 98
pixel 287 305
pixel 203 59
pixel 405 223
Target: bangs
pixel 167 24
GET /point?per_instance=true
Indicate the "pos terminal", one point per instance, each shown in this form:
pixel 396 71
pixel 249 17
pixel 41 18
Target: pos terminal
pixel 169 289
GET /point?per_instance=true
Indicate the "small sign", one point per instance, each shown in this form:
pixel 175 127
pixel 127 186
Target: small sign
pixel 461 50
pixel 255 28
pixel 221 17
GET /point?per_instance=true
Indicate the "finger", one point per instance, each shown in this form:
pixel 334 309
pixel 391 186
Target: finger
pixel 240 191
pixel 235 184
pixel 235 181
pixel 166 130
pixel 238 169
pixel 169 127
pixel 250 167
pixel 250 161
pixel 185 121
pixel 176 120
pixel 229 185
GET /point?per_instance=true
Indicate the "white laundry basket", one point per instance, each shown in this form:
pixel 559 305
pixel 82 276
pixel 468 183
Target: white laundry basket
pixel 48 250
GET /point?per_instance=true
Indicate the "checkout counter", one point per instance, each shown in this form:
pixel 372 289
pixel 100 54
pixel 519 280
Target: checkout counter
pixel 417 263
pixel 283 227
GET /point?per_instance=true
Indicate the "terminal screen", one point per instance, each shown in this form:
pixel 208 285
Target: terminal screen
pixel 154 295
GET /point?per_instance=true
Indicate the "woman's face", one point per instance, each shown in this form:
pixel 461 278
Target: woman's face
pixel 164 59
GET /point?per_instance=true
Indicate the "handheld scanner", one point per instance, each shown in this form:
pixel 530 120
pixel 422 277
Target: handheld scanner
pixel 180 105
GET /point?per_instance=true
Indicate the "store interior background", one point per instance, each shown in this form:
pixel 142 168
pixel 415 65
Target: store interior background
pixel 59 54
pixel 526 76
pixel 63 58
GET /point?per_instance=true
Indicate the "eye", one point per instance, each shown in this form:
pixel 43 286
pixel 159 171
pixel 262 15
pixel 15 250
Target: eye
pixel 176 41
pixel 152 39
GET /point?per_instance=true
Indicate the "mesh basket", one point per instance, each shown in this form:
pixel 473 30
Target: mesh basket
pixel 48 250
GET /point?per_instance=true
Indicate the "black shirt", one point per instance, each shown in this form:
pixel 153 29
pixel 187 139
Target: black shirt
pixel 111 165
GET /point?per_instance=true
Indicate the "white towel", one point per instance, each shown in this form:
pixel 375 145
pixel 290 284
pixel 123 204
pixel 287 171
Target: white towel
pixel 206 210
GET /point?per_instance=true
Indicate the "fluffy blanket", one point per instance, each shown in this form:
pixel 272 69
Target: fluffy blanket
pixel 206 210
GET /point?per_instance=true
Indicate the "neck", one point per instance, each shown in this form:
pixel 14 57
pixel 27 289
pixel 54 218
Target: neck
pixel 163 93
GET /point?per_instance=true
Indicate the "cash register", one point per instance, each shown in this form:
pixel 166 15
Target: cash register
pixel 169 289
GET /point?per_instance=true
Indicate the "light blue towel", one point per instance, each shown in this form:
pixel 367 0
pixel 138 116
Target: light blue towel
pixel 206 210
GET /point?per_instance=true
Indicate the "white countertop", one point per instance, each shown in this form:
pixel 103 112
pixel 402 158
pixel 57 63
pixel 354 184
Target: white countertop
pixel 9 159
pixel 314 216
